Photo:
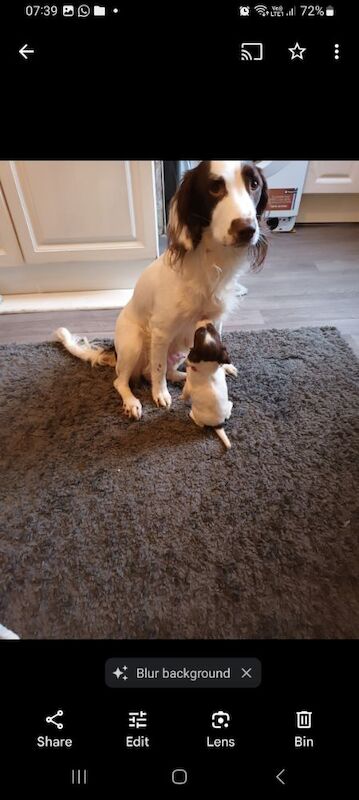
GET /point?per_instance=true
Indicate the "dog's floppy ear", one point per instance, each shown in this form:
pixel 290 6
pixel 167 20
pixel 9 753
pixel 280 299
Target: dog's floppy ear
pixel 263 200
pixel 187 217
pixel 259 251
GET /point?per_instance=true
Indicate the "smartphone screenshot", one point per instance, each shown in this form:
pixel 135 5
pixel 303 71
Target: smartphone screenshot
pixel 179 416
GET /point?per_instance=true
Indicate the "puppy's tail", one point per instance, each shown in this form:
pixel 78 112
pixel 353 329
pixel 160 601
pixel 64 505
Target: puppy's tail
pixel 80 347
pixel 223 436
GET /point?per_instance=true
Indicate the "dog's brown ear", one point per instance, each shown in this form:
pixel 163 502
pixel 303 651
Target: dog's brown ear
pixel 187 216
pixel 259 251
pixel 263 200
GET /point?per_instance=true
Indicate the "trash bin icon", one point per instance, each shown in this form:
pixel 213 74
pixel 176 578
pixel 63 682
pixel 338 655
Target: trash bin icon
pixel 304 719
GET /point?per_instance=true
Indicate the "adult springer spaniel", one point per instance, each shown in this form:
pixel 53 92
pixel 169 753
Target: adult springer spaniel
pixel 213 236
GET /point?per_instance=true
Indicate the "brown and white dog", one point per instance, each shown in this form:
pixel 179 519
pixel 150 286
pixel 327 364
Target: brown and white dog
pixel 214 236
pixel 206 385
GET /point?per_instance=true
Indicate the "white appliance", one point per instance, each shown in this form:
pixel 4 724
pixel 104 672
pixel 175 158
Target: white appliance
pixel 285 183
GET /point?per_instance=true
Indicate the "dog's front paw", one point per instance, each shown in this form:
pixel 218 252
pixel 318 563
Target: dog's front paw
pixel 132 409
pixel 162 398
pixel 230 369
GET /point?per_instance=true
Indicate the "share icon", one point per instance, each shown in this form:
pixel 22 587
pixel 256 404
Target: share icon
pixel 51 720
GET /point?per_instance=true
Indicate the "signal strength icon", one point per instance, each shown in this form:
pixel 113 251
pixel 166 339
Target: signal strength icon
pixel 261 10
pixel 291 12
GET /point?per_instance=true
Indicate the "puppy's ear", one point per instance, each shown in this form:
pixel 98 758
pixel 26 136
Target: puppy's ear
pixel 187 216
pixel 259 251
pixel 225 359
pixel 196 353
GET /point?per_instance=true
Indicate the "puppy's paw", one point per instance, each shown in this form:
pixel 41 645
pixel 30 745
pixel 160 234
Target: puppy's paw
pixel 162 398
pixel 132 409
pixel 230 369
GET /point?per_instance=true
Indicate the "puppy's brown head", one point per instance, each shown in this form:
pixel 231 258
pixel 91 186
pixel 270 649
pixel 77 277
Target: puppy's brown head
pixel 208 346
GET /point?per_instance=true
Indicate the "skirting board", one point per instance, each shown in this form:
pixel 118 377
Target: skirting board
pixel 64 301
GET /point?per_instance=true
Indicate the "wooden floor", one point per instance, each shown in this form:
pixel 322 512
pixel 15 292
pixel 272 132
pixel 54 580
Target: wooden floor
pixel 311 277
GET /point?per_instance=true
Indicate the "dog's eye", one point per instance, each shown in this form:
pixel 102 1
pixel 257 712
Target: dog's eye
pixel 254 183
pixel 216 187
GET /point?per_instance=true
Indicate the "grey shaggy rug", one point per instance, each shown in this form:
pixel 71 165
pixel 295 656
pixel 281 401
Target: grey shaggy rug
pixel 150 529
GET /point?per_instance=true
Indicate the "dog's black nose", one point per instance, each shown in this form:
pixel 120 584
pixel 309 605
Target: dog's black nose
pixel 242 231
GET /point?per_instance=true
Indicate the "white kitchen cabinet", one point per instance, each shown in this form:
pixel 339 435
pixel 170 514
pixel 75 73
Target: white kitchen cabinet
pixel 332 177
pixel 81 225
pixel 10 253
pixel 330 193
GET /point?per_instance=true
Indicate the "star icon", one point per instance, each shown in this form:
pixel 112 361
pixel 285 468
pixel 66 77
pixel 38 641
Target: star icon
pixel 297 51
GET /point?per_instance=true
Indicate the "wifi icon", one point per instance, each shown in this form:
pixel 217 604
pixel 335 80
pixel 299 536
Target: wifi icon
pixel 261 10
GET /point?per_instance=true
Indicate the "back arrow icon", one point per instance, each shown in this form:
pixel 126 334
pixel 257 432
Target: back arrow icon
pixel 23 51
pixel 279 777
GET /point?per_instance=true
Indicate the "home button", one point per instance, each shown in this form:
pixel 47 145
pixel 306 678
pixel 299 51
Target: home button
pixel 179 776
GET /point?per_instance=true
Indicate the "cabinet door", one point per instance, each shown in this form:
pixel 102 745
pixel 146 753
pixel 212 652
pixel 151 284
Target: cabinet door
pixel 332 177
pixel 82 211
pixel 10 253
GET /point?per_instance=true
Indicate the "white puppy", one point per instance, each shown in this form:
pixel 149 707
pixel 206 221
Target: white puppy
pixel 206 384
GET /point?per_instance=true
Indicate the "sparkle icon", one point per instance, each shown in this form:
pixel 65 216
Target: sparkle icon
pixel 297 51
pixel 119 673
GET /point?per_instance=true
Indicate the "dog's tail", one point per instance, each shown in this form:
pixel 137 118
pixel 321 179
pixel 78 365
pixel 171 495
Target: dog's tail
pixel 80 347
pixel 223 436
